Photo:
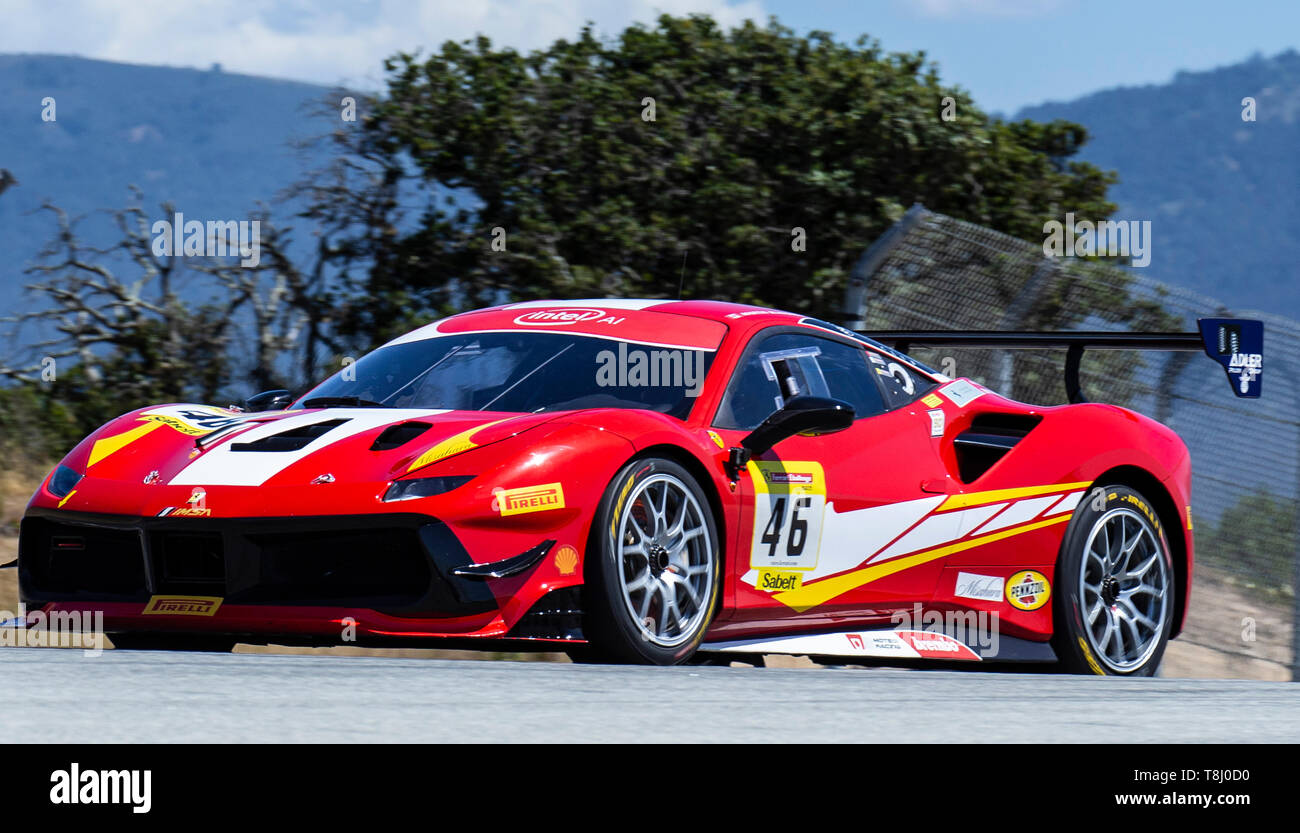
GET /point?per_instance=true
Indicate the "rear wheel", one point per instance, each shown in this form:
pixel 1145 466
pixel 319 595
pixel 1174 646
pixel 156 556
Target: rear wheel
pixel 1116 580
pixel 652 580
pixel 171 642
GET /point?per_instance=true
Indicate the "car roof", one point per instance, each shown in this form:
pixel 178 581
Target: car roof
pixel 690 324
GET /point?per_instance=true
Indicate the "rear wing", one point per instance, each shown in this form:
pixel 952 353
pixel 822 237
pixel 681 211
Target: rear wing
pixel 1235 343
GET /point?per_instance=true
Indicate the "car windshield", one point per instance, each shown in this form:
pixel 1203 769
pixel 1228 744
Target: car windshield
pixel 521 373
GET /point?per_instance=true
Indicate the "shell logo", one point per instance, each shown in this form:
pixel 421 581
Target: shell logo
pixel 566 560
pixel 559 317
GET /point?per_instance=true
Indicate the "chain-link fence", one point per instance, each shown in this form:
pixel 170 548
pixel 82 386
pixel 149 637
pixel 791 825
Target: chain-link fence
pixel 933 272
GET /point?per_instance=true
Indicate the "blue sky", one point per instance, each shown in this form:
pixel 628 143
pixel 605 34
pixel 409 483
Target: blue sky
pixel 1008 53
pixel 1012 53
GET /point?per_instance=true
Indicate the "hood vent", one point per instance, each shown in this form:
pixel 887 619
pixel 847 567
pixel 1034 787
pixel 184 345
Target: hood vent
pixel 395 436
pixel 292 440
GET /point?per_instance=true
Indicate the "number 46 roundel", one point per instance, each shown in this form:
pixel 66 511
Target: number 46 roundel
pixel 789 502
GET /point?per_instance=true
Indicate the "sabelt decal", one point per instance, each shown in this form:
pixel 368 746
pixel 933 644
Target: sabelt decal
pixel 183 605
pixel 975 586
pixel 789 502
pixel 566 560
pixel 1028 590
pixel 776 581
pixel 528 499
pixel 451 446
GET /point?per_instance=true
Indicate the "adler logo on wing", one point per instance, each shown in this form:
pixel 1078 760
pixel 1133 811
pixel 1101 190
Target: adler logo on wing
pixel 559 317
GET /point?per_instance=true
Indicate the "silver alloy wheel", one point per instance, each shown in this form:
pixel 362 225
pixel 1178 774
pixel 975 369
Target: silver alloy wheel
pixel 666 560
pixel 1124 584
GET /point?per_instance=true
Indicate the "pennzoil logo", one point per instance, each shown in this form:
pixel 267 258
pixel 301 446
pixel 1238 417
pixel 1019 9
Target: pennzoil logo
pixel 529 499
pixel 183 605
pixel 1028 590
pixel 778 581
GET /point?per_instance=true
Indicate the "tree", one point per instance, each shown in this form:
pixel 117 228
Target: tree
pixel 678 155
pixel 118 328
pixel 1254 542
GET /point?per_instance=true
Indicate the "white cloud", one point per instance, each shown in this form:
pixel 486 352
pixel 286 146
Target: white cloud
pixel 324 41
pixel 982 8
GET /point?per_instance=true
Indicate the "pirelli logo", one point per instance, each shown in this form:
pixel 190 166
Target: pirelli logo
pixel 530 499
pixel 183 605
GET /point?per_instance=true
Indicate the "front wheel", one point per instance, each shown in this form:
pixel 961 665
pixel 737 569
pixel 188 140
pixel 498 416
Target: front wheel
pixel 652 581
pixel 1115 610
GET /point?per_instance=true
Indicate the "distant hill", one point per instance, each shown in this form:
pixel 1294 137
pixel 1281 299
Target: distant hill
pixel 212 143
pixel 1222 195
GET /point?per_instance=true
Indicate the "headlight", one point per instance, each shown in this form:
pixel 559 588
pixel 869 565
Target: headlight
pixel 63 481
pixel 424 487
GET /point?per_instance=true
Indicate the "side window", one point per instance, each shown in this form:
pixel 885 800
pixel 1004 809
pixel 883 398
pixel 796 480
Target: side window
pixel 899 384
pixel 785 365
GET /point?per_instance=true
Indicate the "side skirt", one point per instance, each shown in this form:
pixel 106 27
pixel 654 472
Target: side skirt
pixel 897 644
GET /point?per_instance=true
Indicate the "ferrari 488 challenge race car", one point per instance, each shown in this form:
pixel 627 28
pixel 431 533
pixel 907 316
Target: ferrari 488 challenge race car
pixel 640 481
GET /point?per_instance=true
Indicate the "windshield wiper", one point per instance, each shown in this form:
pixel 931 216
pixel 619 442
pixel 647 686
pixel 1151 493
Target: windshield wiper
pixel 341 401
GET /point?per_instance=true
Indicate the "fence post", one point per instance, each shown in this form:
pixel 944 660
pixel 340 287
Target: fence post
pixel 855 294
pixel 1295 570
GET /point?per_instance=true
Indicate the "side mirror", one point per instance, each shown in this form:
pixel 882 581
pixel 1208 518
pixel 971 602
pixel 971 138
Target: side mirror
pixel 269 400
pixel 800 415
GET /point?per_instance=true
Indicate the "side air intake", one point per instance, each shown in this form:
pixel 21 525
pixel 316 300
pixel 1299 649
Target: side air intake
pixel 988 440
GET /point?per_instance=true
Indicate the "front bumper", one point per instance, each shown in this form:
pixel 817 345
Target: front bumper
pixel 322 579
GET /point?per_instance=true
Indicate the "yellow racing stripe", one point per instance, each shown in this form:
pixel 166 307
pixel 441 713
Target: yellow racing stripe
pixel 998 495
pixel 811 595
pixel 108 445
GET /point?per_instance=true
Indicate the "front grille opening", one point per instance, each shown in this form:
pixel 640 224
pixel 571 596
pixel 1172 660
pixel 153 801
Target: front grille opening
pixel 189 560
pixel 80 561
pixel 557 615
pixel 361 568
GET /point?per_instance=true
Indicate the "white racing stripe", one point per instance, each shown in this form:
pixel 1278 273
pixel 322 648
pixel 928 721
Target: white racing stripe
pixel 220 466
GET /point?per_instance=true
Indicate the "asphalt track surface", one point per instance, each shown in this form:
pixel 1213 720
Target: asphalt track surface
pixel 62 695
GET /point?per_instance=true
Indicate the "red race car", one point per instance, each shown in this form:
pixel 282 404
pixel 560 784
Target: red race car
pixel 641 481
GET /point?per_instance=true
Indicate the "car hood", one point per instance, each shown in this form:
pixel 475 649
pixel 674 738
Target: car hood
pixel 195 445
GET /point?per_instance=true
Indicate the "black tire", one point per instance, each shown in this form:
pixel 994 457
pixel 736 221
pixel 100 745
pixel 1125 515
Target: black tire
pixel 1122 630
pixel 171 642
pixel 617 633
